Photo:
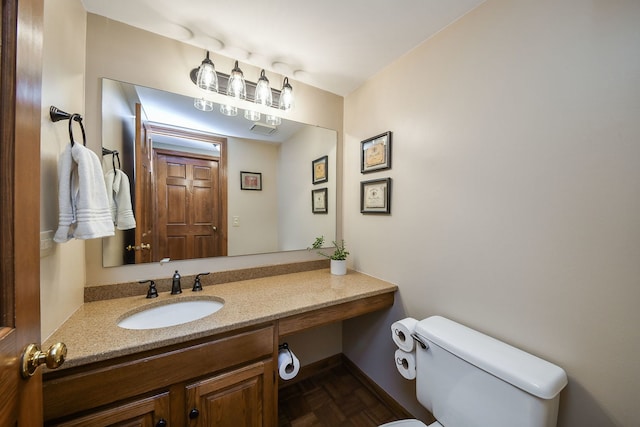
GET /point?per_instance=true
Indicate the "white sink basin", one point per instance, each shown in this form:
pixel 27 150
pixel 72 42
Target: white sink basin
pixel 170 314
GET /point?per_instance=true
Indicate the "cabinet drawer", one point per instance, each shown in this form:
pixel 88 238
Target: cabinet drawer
pixel 82 389
pixel 147 412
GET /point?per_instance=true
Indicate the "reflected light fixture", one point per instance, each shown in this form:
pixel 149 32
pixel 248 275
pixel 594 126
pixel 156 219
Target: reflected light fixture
pixel 203 104
pixel 263 90
pixel 286 96
pixel 252 115
pixel 273 120
pixel 207 79
pixel 228 110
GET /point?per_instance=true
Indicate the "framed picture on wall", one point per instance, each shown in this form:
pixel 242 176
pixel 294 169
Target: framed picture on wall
pixel 375 153
pixel 319 201
pixel 251 181
pixel 375 196
pixel 319 170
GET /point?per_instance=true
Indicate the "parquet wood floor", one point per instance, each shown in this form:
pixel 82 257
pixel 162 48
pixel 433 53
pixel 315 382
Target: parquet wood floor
pixel 333 398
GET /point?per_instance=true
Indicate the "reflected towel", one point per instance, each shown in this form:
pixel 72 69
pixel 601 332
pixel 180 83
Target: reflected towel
pixel 119 194
pixel 82 197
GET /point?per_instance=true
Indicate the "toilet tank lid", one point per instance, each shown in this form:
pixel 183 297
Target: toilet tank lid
pixel 519 368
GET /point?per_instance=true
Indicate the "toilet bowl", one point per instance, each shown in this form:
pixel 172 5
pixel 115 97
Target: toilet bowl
pixel 410 423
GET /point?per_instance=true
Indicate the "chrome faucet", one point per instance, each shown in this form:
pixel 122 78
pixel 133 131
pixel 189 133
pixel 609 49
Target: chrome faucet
pixel 175 285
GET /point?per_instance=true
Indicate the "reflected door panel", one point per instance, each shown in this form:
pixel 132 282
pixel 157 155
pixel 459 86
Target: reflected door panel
pixel 188 206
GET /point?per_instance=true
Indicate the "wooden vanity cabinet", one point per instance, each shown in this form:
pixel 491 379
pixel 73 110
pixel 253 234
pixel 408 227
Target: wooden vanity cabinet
pixel 228 381
pixel 238 398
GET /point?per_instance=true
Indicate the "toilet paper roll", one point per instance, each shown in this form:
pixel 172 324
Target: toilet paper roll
pixel 406 364
pixel 288 364
pixel 401 333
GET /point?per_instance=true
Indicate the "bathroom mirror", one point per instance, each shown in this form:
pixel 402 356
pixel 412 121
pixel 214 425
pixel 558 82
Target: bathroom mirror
pixel 262 189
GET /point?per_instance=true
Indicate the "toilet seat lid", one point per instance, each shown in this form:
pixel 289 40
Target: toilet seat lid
pixel 410 423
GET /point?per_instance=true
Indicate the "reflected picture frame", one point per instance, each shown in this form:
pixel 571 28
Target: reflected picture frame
pixel 251 181
pixel 375 196
pixel 320 170
pixel 319 201
pixel 375 153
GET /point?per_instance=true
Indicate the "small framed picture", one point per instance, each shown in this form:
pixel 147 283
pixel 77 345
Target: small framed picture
pixel 251 181
pixel 319 201
pixel 320 172
pixel 375 196
pixel 375 153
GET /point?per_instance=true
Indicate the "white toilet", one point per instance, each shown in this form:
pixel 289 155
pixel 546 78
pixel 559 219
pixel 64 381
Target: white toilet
pixel 468 379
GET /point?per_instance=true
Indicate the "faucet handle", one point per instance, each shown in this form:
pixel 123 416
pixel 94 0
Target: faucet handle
pixel 197 286
pixel 152 292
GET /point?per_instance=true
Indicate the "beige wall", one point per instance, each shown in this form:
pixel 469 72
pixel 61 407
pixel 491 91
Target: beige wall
pixel 62 270
pixel 516 194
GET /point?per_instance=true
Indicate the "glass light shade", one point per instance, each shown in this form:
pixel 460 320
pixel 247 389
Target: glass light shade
pixel 236 86
pixel 228 110
pixel 263 91
pixel 203 104
pixel 273 120
pixel 252 115
pixel 207 79
pixel 286 96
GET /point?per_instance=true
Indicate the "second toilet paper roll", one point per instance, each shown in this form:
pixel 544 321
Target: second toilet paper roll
pixel 406 364
pixel 401 333
pixel 288 364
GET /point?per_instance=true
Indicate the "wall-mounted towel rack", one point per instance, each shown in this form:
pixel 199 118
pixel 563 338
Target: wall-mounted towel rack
pixel 57 114
pixel 115 155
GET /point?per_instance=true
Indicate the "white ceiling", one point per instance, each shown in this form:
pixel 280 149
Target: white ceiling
pixel 335 45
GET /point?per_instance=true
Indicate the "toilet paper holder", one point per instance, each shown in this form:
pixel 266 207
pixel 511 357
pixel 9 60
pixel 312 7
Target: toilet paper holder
pixel 285 346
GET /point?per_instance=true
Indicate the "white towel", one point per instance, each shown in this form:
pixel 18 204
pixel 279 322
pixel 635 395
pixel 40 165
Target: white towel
pixel 82 196
pixel 119 193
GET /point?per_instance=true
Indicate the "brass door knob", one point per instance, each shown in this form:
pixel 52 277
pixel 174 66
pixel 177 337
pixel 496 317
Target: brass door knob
pixel 32 357
pixel 142 246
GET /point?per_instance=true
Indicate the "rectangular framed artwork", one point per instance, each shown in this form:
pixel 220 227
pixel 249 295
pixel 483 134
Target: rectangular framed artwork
pixel 375 196
pixel 319 170
pixel 375 153
pixel 319 201
pixel 251 181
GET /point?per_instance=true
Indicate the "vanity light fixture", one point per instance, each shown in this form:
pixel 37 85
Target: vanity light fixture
pixel 207 78
pixel 235 86
pixel 286 96
pixel 263 90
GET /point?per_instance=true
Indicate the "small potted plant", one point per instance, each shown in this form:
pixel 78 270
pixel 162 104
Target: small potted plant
pixel 338 257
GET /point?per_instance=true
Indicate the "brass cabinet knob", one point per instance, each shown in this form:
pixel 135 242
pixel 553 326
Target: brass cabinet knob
pixel 32 357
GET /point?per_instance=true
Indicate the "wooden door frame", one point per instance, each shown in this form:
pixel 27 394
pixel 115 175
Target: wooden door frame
pixel 20 115
pixel 175 132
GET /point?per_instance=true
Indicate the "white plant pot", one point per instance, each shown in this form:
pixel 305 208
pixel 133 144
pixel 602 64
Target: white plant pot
pixel 339 267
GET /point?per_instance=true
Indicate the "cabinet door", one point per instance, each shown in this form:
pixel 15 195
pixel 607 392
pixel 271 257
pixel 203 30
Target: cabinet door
pixel 240 398
pixel 150 412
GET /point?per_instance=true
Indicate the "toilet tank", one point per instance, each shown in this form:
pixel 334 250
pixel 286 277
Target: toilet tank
pixel 468 379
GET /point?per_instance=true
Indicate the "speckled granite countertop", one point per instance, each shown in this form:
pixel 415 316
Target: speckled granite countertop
pixel 91 333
